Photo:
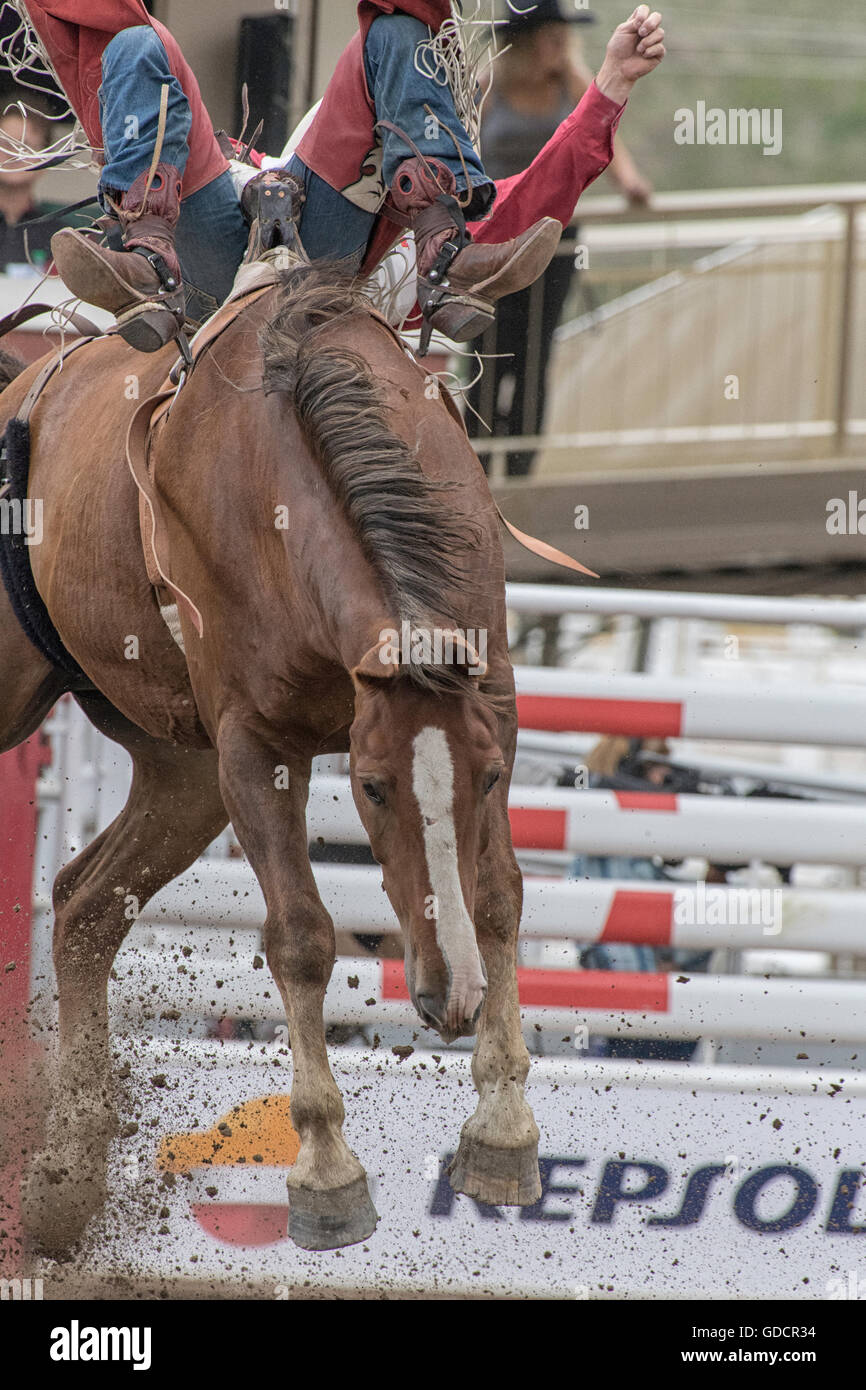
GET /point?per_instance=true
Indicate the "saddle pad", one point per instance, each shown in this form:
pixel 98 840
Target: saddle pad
pixel 15 568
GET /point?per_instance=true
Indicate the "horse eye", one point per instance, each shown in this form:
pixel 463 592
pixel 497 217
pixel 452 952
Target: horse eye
pixel 372 793
pixel 491 782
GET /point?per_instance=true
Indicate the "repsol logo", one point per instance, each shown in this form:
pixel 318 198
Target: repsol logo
pixel 774 1198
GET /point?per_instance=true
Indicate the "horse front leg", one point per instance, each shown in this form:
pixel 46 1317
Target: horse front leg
pixel 497 1159
pixel 173 812
pixel 329 1201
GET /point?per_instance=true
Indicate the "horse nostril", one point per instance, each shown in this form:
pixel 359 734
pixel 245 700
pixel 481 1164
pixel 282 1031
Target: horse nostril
pixel 430 1007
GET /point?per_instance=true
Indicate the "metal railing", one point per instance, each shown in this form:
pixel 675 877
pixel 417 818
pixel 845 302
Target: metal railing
pixel 641 254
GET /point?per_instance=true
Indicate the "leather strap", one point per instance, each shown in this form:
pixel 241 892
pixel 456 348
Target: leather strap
pixel 224 318
pixel 145 420
pixel 45 376
pixel 543 549
pixel 157 152
pixel 80 322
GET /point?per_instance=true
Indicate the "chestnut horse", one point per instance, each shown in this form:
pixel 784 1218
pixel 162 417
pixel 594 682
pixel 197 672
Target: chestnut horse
pixel 305 409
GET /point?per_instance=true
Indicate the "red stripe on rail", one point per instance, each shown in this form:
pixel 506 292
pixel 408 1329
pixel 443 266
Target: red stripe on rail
pixel 394 980
pixel 567 989
pixel 569 714
pixel 646 801
pixel 644 919
pixel 537 827
pixel 595 989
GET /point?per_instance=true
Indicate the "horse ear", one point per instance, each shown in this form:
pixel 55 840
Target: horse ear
pixel 377 664
pixel 467 655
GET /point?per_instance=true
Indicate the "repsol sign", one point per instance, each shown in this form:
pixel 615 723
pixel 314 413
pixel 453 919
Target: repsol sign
pixel 792 1194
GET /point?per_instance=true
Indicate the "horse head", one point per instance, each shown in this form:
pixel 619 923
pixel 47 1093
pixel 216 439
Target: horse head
pixel 423 764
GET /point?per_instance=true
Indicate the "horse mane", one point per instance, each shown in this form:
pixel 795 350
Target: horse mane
pixel 10 367
pixel 414 542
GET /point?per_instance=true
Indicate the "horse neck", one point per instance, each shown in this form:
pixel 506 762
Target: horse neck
pixel 375 541
pixel 338 600
pixel 356 616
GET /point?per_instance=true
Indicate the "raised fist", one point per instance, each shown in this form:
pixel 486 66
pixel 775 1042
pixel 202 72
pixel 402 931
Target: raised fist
pixel 637 46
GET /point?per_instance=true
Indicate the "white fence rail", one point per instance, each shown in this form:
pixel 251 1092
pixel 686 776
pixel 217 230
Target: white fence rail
pixel 722 829
pixel 680 707
pixel 557 823
pixel 225 893
pixel 844 614
pixel 369 992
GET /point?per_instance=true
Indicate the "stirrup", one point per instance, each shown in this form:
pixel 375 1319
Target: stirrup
pixel 147 327
pixel 459 317
pixel 152 324
pixel 458 321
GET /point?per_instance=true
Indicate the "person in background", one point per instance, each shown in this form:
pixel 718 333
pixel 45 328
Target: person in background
pixel 533 85
pixel 22 245
pixel 612 763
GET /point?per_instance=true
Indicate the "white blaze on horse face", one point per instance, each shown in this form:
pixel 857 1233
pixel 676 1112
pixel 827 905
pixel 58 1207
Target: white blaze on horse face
pixel 433 785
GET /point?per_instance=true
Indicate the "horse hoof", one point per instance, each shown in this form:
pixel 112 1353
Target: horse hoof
pixel 499 1177
pixel 330 1219
pixel 57 1202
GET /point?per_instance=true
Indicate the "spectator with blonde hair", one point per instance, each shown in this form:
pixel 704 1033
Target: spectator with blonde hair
pixel 533 86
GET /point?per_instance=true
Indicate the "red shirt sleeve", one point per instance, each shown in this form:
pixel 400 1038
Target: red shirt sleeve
pixel 580 149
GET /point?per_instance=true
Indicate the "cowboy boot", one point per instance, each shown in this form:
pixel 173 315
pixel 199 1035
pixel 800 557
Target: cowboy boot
pixel 140 285
pixel 459 281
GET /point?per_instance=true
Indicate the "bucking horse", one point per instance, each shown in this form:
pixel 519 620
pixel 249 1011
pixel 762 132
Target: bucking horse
pixel 314 495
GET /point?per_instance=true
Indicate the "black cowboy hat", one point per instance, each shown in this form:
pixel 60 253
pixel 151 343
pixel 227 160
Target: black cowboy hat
pixel 527 16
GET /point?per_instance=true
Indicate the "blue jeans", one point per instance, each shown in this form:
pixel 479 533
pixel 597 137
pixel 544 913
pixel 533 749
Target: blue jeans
pixel 331 225
pixel 134 70
pixel 401 93
pixel 211 232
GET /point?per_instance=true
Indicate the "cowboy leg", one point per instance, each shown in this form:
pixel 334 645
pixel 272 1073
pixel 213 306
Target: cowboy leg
pixel 436 180
pixel 211 241
pixel 135 68
pixel 210 233
pixel 330 227
pixel 420 106
pixel 143 110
